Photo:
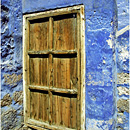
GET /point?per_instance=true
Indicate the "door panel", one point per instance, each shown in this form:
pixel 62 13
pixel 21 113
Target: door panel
pixel 65 32
pixel 39 106
pixel 39 71
pixel 65 74
pixel 64 109
pixel 39 34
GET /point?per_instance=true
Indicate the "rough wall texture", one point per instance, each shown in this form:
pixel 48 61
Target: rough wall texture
pixel 123 66
pixel 101 61
pixel 11 64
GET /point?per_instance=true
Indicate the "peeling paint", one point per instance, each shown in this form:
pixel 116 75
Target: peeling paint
pixel 123 105
pixel 6 101
pixel 12 79
pixel 99 125
pixel 123 90
pixel 109 41
pixel 122 31
pixel 123 78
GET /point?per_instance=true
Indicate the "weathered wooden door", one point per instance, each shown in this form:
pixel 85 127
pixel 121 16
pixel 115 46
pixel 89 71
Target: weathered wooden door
pixel 53 70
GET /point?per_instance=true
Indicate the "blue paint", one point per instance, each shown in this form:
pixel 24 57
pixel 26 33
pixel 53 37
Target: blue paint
pixel 98 100
pixel 123 43
pixel 11 58
pixel 100 22
pixel 125 120
pixel 123 13
pixel 123 60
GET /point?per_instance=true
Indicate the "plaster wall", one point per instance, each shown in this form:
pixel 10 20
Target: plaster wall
pixel 123 65
pixel 103 61
pixel 11 65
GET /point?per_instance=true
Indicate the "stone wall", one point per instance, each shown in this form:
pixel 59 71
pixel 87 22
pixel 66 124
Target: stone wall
pixel 103 62
pixel 123 65
pixel 11 65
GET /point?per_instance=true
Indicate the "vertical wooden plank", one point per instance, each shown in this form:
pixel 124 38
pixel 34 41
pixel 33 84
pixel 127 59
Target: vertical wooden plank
pixel 73 73
pixel 82 27
pixel 50 33
pixel 39 71
pixel 31 68
pixel 63 73
pixel 41 107
pixel 68 73
pixel 50 67
pixel 64 35
pixel 25 39
pixel 27 71
pixel 31 43
pixel 66 111
pixel 37 106
pixel 43 67
pixel 73 116
pixel 50 85
pixel 45 104
pixel 36 71
pixel 39 34
pixel 55 70
pixel 47 108
pixel 59 120
pixel 34 104
pixel 78 71
pixel 44 71
pixel 39 82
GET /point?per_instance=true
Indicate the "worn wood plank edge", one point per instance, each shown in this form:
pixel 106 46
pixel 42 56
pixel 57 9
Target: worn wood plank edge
pixel 60 90
pixel 53 52
pixel 24 68
pixel 35 123
pixel 83 63
pixel 61 11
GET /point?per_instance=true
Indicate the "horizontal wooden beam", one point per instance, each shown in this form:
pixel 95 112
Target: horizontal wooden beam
pixel 52 89
pixel 62 11
pixel 52 52
pixel 42 88
pixel 41 125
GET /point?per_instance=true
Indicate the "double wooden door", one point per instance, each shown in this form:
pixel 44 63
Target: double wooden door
pixel 53 74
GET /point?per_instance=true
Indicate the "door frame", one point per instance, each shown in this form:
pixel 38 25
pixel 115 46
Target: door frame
pixel 55 12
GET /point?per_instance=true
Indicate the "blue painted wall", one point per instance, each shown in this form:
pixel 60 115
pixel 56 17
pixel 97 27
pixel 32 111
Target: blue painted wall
pixel 107 66
pixel 123 66
pixel 11 64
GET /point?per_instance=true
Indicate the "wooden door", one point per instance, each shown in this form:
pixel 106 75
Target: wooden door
pixel 53 72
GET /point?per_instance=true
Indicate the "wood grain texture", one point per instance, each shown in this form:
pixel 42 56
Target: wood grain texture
pixel 64 111
pixel 52 89
pixel 39 34
pixel 65 32
pixel 65 74
pixel 52 52
pixel 53 70
pixel 39 106
pixel 38 71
